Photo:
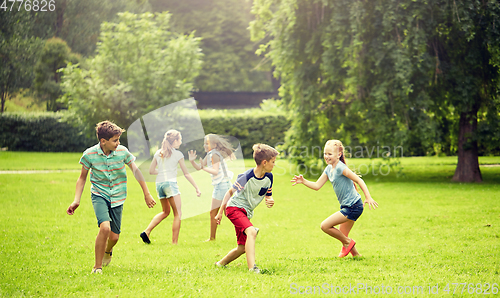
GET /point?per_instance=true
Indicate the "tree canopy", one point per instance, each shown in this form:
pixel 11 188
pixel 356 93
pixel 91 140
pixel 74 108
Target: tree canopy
pixel 140 65
pixel 55 55
pixel 230 63
pixel 409 73
pixel 18 52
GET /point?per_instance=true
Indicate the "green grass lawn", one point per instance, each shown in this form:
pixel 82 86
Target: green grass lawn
pixel 428 231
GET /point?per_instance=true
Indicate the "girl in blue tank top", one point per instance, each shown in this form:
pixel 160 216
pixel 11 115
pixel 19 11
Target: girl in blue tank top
pixel 351 205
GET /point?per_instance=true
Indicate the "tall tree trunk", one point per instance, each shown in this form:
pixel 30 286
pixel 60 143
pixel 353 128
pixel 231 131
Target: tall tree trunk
pixel 3 101
pixel 468 162
pixel 60 10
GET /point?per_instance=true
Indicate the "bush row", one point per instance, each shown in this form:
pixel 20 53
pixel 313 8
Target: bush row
pixel 249 126
pixel 52 132
pixel 41 132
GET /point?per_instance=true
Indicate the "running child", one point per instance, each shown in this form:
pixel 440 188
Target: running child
pixel 164 164
pixel 218 149
pixel 351 205
pixel 246 194
pixel 108 177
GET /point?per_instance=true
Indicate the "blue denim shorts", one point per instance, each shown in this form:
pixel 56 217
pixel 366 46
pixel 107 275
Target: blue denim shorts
pixel 167 189
pixel 104 212
pixel 220 190
pixel 353 212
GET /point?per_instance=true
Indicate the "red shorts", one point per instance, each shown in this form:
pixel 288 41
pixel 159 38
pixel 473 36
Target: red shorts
pixel 238 216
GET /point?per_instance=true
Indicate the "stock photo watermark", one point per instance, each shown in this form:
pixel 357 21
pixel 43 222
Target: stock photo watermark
pixel 453 288
pixel 373 167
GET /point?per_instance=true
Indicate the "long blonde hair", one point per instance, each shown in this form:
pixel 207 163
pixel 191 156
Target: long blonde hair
pixel 166 145
pixel 221 144
pixel 338 144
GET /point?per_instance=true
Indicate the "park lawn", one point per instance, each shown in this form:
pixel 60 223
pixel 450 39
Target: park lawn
pixel 428 231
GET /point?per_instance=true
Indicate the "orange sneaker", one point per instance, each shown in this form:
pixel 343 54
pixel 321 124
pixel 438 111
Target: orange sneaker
pixel 346 250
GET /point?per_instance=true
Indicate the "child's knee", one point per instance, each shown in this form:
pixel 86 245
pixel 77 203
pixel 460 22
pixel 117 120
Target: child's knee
pixel 324 227
pixel 114 236
pixel 105 227
pixel 251 232
pixel 240 249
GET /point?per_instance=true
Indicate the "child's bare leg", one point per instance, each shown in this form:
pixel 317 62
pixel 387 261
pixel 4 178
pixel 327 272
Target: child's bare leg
pixel 250 246
pixel 345 228
pixel 100 243
pixel 112 240
pixel 233 255
pixel 328 226
pixel 213 223
pixel 175 202
pixel 159 217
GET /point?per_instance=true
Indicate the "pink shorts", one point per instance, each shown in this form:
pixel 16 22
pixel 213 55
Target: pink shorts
pixel 238 216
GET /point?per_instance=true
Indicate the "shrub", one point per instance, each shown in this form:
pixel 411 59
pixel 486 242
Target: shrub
pixel 56 132
pixel 42 132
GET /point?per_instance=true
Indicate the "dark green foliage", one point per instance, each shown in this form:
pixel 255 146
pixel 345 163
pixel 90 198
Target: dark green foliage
pixel 141 65
pixel 55 55
pixel 18 53
pixel 250 127
pixel 230 63
pixel 41 132
pixel 57 132
pixel 377 73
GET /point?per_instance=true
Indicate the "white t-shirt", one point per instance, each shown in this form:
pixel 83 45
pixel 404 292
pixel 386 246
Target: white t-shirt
pixel 167 167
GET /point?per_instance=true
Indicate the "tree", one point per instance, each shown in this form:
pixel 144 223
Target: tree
pixel 18 53
pixel 78 22
pixel 55 55
pixel 468 52
pixel 230 63
pixel 383 72
pixel 140 65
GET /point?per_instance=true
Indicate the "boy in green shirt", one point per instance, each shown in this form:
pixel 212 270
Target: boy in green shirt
pixel 108 177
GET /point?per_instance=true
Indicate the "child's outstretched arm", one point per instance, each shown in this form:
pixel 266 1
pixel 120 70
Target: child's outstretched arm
pixel 80 184
pixel 192 157
pixel 142 182
pixel 222 208
pixel 188 176
pixel 368 198
pixel 312 185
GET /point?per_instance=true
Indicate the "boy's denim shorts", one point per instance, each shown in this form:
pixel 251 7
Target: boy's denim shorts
pixel 104 212
pixel 167 189
pixel 353 212
pixel 220 190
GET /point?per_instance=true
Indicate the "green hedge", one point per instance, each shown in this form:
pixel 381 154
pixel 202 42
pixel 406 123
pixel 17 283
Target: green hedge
pixel 41 132
pixel 249 126
pixel 51 132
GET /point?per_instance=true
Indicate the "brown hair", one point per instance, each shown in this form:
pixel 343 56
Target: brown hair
pixel 107 129
pixel 166 146
pixel 263 152
pixel 338 144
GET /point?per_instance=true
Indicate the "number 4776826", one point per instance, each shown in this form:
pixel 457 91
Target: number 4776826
pixel 28 5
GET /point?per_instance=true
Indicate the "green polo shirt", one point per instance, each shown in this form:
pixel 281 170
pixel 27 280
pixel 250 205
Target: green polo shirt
pixel 108 174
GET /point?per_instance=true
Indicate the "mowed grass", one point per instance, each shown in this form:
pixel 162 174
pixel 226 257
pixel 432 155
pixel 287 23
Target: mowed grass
pixel 427 231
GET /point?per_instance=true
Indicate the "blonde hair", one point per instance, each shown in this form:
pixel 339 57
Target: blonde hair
pixel 263 152
pixel 338 144
pixel 221 144
pixel 166 146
